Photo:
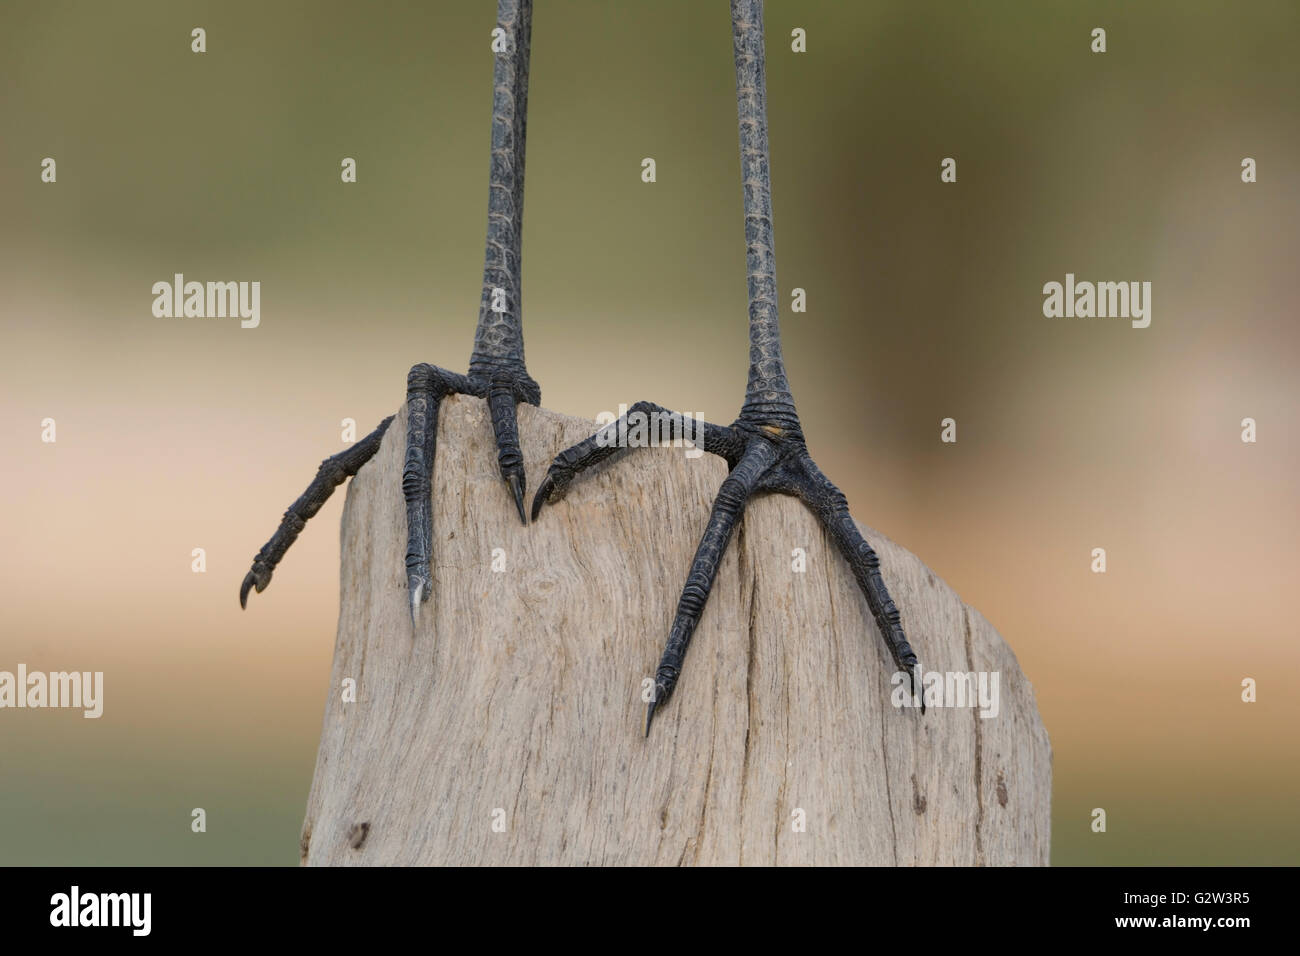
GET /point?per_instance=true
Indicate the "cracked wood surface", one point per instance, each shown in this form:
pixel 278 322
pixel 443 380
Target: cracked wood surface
pixel 519 702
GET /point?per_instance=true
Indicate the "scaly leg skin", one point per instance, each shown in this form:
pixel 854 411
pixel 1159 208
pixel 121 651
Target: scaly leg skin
pixel 763 459
pixel 727 508
pixel 654 420
pixel 332 473
pixel 831 508
pixel 426 387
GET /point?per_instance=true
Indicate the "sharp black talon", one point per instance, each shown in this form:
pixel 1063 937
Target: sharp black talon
pixel 649 716
pixel 543 493
pixel 516 485
pixel 244 588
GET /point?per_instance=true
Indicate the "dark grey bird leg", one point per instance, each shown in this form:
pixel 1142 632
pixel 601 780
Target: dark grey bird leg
pixel 832 509
pixel 658 421
pixel 768 402
pixel 426 387
pixel 333 472
pixel 497 363
pixel 497 371
pixel 765 444
pixel 727 507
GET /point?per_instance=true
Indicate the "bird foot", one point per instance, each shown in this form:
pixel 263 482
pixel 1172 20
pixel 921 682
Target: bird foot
pixel 764 457
pixel 502 386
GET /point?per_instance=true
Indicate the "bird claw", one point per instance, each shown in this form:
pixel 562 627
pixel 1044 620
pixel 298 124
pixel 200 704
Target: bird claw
pixel 548 489
pixel 252 580
pixel 517 487
pixel 663 690
pixel 419 595
pixel 912 670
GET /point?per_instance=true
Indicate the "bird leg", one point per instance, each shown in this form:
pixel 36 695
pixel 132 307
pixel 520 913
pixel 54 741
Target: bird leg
pixel 497 372
pixel 727 507
pixel 657 421
pixel 333 472
pixel 765 458
pixel 426 387
pixel 832 510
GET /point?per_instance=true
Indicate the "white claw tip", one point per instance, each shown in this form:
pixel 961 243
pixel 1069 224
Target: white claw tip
pixel 417 592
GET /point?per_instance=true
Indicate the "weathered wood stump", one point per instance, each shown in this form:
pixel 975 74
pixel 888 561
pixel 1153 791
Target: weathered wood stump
pixel 508 729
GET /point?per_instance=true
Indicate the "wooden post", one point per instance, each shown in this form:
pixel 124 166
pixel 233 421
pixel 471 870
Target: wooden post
pixel 508 729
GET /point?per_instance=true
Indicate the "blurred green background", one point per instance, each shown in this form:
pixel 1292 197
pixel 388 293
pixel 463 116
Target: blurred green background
pixel 924 302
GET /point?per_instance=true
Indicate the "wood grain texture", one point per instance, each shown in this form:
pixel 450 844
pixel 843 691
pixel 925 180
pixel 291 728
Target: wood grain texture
pixel 519 698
